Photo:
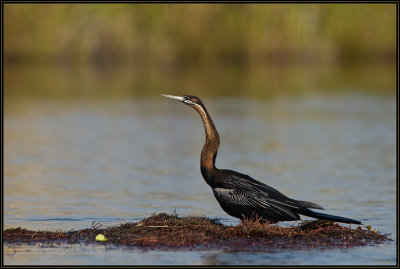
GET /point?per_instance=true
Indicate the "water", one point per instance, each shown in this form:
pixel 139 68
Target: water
pixel 69 163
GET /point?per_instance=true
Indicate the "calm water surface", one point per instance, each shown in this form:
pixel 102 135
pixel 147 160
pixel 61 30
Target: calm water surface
pixel 69 163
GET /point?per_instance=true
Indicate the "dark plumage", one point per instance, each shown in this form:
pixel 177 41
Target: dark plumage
pixel 240 195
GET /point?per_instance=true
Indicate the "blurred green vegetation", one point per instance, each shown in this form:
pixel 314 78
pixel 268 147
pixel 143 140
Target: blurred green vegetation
pixel 198 33
pixel 258 50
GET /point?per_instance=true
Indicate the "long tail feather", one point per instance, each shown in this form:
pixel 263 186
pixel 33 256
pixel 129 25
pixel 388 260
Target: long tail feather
pixel 323 216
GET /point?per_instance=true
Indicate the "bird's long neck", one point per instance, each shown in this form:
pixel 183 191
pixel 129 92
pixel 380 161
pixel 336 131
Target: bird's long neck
pixel 210 147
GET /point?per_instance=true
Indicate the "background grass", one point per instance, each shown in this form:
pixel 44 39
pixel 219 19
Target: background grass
pixel 258 50
pixel 196 33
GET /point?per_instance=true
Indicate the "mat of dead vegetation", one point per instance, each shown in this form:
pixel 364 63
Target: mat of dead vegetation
pixel 163 231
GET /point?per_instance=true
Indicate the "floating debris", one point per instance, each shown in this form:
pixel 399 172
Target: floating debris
pixel 172 232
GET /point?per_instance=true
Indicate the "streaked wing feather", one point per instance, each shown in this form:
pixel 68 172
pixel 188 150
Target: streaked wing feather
pixel 254 201
pixel 274 196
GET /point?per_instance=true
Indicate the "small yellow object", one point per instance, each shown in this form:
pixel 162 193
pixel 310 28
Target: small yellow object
pixel 101 237
pixel 368 227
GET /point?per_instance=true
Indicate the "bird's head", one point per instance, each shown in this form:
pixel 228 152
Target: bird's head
pixel 189 100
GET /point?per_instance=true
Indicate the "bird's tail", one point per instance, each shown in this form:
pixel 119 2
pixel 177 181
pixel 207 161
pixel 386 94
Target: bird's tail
pixel 323 216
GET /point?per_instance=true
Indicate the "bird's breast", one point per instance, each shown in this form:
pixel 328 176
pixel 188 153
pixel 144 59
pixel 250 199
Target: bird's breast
pixel 208 175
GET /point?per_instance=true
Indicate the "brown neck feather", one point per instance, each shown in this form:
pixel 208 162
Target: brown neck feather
pixel 210 147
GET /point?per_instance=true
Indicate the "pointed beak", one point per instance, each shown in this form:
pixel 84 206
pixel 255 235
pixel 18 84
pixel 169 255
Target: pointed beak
pixel 179 98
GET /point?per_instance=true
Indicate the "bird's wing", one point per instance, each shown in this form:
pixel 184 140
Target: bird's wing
pixel 245 182
pixel 242 181
pixel 250 201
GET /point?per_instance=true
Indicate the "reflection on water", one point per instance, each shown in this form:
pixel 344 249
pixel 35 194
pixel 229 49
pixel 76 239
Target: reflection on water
pixel 78 254
pixel 68 163
pixel 258 81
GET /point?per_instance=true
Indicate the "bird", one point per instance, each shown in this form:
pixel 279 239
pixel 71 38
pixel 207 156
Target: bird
pixel 240 195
